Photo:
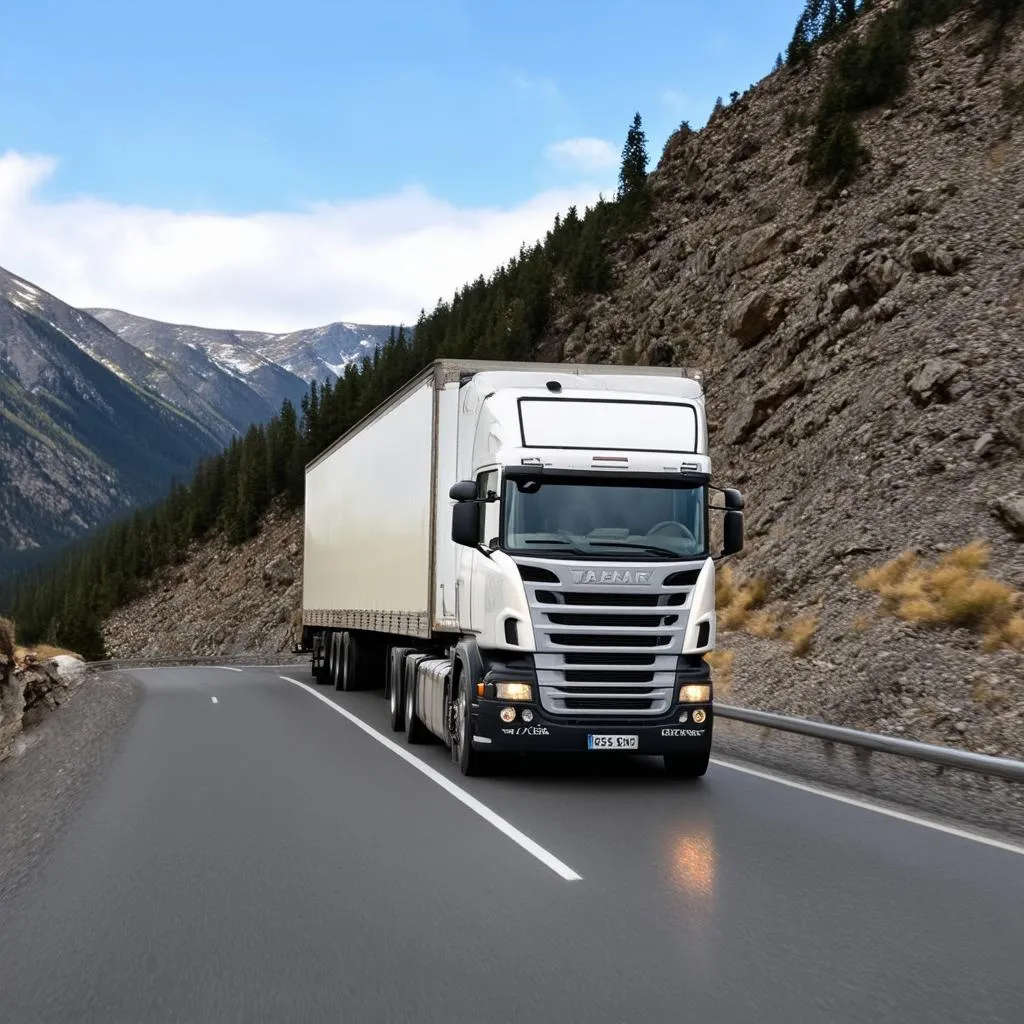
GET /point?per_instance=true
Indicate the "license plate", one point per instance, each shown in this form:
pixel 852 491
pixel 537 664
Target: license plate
pixel 612 742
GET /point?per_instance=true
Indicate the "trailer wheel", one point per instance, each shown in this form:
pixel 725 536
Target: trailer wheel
pixel 327 658
pixel 353 662
pixel 687 766
pixel 316 662
pixel 415 730
pixel 336 655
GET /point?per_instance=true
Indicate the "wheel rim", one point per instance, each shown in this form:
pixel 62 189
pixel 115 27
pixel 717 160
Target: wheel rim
pixel 394 699
pixel 410 702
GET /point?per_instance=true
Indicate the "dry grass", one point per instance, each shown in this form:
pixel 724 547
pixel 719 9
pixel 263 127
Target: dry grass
pixel 735 599
pixel 44 651
pixel 721 663
pixel 800 634
pixel 953 592
pixel 13 653
pixel 740 605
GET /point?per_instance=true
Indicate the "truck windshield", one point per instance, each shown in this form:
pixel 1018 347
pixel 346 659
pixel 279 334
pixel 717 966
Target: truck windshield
pixel 631 519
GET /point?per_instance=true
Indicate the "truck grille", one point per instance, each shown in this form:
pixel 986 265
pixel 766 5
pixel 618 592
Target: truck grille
pixel 607 649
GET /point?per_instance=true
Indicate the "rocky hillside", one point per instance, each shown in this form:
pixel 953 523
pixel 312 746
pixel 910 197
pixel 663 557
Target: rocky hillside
pixel 863 352
pixel 222 600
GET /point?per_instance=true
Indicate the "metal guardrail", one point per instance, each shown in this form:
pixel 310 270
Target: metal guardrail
pixel 984 764
pixel 280 658
pixel 1002 767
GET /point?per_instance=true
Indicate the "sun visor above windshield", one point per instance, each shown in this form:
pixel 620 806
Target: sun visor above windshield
pixel 608 425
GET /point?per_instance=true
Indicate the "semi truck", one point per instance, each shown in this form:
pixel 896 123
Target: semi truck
pixel 519 555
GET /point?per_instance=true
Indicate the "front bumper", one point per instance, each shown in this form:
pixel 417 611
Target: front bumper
pixel 547 734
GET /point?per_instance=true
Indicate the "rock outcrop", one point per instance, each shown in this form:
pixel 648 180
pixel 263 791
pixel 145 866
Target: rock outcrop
pixel 28 691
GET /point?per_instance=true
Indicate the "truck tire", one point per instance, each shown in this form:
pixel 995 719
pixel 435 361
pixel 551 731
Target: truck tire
pixel 394 686
pixel 336 654
pixel 415 730
pixel 470 761
pixel 345 673
pixel 321 667
pixel 687 766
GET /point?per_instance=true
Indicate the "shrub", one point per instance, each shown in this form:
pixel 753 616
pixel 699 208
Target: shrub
pixel 800 634
pixel 953 592
pixel 735 600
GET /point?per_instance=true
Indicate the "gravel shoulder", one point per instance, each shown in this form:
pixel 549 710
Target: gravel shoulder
pixel 63 757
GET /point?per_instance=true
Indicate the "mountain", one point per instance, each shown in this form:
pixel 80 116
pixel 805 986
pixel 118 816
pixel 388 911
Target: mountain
pixel 318 353
pixel 79 440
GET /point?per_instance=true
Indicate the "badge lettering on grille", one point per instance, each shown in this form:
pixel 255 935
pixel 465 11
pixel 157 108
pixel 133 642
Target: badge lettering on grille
pixel 627 577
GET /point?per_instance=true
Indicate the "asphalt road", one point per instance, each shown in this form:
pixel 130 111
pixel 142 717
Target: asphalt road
pixel 263 858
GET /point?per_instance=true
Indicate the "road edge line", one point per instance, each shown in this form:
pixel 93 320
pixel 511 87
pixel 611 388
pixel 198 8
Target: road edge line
pixel 866 805
pixel 509 830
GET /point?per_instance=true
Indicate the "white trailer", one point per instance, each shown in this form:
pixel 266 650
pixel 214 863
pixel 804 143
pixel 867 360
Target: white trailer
pixel 519 554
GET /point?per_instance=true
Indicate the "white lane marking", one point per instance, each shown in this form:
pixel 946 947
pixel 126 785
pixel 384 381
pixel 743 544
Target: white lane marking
pixel 227 668
pixel 503 826
pixel 867 806
pixel 213 700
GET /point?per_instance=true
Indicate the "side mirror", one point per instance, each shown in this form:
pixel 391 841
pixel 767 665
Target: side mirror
pixel 466 518
pixel 733 532
pixel 733 499
pixel 464 490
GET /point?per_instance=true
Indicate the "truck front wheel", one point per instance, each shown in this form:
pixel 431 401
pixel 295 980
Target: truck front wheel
pixel 470 761
pixel 687 766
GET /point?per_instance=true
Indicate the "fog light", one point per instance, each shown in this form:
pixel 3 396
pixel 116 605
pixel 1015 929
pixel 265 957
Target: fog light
pixel 514 691
pixel 527 715
pixel 508 714
pixel 695 693
pixel 684 715
pixel 699 716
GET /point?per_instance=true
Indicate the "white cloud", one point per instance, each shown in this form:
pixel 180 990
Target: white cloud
pixel 587 155
pixel 376 260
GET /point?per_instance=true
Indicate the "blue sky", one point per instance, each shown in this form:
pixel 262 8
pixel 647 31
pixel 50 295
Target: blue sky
pixel 452 109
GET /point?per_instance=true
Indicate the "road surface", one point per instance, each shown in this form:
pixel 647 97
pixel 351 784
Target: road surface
pixel 251 854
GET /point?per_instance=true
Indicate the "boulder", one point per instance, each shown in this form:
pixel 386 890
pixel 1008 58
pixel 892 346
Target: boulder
pixel 750 319
pixel 751 414
pixel 279 571
pixel 932 381
pixel 1010 511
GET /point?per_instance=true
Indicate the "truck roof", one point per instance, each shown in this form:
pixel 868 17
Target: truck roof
pixel 446 371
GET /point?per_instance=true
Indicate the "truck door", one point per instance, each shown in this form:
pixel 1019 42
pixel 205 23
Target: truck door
pixel 487 482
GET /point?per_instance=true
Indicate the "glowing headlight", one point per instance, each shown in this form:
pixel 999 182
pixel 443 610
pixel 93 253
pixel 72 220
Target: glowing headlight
pixel 513 691
pixel 695 693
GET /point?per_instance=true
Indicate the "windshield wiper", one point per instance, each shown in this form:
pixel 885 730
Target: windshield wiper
pixel 573 548
pixel 652 548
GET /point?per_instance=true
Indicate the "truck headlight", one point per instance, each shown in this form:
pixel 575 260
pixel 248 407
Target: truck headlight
pixel 513 691
pixel 695 693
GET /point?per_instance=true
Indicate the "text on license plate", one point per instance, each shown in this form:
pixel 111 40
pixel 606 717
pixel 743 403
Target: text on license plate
pixel 612 742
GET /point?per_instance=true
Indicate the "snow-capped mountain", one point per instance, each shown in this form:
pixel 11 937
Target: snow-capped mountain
pixel 317 353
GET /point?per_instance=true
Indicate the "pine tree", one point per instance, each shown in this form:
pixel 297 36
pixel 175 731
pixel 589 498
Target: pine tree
pixel 779 65
pixel 633 190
